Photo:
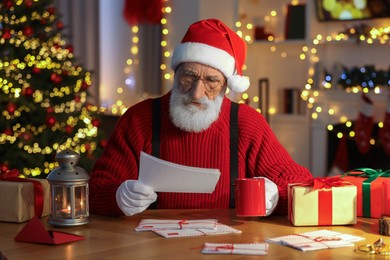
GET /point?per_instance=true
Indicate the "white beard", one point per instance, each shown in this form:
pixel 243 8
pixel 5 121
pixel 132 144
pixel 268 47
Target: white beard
pixel 189 117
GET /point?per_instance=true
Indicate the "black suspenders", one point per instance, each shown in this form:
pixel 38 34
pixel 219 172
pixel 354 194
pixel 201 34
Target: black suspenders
pixel 156 127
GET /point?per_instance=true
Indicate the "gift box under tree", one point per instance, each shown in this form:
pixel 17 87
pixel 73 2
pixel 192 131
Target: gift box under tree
pixel 22 198
pixel 369 190
pixel 324 202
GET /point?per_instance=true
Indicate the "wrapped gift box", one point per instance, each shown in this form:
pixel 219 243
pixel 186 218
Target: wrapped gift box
pixel 369 190
pixel 309 206
pixel 17 200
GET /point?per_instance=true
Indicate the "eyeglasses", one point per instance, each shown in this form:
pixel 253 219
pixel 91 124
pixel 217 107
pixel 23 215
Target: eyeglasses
pixel 188 78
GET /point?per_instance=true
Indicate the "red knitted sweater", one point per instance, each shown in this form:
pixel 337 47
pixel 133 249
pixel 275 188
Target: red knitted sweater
pixel 259 154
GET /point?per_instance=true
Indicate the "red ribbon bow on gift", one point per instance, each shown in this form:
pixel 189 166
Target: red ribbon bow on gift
pixel 12 175
pixel 328 182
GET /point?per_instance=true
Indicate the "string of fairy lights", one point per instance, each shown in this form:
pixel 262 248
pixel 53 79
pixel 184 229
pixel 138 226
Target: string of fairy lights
pixel 309 52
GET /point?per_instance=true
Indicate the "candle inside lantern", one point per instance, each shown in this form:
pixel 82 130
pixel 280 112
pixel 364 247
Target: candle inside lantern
pixel 66 212
pixel 386 198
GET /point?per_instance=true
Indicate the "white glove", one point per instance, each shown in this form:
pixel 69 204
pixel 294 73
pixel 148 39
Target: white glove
pixel 134 197
pixel 271 196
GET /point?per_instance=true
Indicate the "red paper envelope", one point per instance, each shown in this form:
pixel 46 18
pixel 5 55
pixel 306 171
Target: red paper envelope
pixel 35 232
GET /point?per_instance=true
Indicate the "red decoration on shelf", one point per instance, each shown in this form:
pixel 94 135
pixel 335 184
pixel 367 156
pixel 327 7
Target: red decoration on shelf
pixel 140 11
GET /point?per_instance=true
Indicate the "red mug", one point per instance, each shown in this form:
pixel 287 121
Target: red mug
pixel 250 197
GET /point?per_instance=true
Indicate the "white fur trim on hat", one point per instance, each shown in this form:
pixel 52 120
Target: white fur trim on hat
pixel 205 54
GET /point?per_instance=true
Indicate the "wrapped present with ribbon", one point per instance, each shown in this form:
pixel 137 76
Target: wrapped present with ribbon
pixel 22 198
pixel 322 202
pixel 369 190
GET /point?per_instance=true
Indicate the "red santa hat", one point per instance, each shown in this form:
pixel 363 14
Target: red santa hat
pixel 212 43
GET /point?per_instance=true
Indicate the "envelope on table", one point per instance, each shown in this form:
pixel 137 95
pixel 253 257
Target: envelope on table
pixel 162 224
pixel 35 232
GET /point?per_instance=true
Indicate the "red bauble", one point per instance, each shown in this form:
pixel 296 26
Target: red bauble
pixel 68 129
pixel 49 110
pixel 77 99
pixel 69 48
pixel 36 70
pixel 11 107
pixel 51 10
pixel 43 21
pixel 60 25
pixel 8 4
pixel 28 91
pixel 50 121
pixel 87 146
pixel 28 31
pixel 7 34
pixel 55 78
pixel 8 131
pixel 96 122
pixel 84 85
pixel 29 3
pixel 26 136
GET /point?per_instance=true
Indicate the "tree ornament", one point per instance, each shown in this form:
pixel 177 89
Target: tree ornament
pixel 11 108
pixel 7 34
pixel 36 70
pixel 55 78
pixel 28 91
pixel 50 121
pixel 49 110
pixel 60 25
pixel 84 85
pixel 29 3
pixel 96 122
pixel 8 4
pixel 69 48
pixel 68 129
pixel 8 131
pixel 28 31
pixel 51 10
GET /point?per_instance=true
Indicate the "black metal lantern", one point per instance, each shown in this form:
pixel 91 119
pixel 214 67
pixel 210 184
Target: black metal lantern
pixel 69 204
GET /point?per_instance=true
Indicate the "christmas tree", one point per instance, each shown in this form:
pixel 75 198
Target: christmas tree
pixel 43 93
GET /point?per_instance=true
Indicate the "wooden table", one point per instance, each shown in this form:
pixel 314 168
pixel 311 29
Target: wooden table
pixel 115 238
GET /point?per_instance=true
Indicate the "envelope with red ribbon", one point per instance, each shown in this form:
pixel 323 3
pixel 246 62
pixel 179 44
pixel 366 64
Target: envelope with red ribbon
pixel 322 202
pixel 369 190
